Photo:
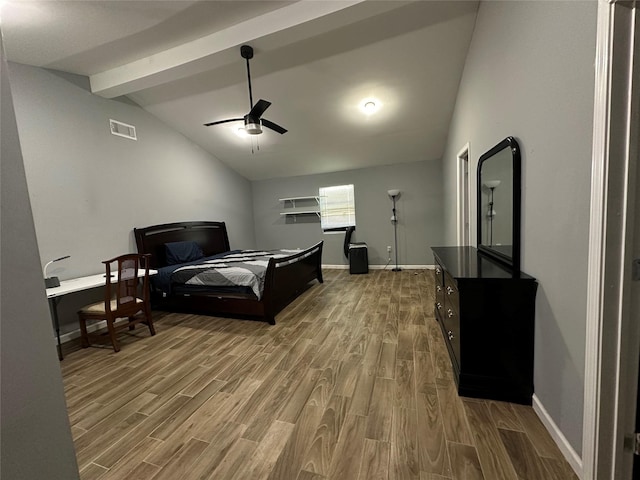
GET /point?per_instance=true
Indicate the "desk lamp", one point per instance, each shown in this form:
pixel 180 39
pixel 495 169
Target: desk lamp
pixel 50 282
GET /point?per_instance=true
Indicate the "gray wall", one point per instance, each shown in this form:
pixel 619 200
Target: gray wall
pixel 36 437
pixel 419 211
pixel 530 73
pixel 89 188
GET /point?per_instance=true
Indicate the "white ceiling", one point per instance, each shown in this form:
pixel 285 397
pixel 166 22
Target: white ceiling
pixel 314 60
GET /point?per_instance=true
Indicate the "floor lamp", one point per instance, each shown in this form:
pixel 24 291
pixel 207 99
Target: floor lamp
pixel 491 185
pixel 394 220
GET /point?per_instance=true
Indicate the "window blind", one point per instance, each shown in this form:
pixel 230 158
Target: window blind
pixel 337 207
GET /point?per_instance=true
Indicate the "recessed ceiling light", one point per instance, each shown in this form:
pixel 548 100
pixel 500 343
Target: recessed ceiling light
pixel 370 106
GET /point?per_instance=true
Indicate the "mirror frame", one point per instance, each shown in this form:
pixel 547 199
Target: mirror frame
pixel 514 260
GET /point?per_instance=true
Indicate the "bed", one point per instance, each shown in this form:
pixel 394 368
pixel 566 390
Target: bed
pixel 288 273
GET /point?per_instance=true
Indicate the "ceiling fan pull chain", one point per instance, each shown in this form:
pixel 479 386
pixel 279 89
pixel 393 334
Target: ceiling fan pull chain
pixel 255 145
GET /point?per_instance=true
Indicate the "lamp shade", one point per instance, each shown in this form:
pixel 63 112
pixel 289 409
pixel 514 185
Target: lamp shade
pixel 492 183
pixel 393 193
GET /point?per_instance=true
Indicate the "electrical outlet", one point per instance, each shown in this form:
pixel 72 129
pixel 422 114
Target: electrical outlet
pixel 389 248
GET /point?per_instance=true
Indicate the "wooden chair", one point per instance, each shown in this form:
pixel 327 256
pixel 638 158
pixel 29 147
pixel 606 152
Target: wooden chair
pixel 121 298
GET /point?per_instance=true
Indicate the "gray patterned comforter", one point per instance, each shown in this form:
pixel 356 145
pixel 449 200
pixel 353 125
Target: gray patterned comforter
pixel 244 268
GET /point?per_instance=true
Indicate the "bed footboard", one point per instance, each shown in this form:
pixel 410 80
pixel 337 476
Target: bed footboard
pixel 287 277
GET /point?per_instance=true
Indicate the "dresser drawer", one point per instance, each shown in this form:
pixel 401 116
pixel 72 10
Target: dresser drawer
pixel 439 274
pixel 447 308
pixel 439 293
pixel 450 293
pixel 451 330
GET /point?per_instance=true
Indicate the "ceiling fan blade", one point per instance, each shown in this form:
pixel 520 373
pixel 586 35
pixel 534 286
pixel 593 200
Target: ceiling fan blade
pixel 224 121
pixel 273 126
pixel 259 108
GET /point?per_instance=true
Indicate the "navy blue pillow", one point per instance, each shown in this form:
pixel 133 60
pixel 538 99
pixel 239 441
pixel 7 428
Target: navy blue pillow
pixel 182 252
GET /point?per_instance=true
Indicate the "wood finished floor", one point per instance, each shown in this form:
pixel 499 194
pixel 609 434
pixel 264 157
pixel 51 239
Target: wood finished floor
pixel 353 382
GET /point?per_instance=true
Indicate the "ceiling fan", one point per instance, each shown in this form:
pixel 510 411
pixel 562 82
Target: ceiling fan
pixel 253 120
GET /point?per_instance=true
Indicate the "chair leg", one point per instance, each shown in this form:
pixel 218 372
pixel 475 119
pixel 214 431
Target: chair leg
pixel 84 336
pixel 152 329
pixel 112 334
pixel 132 326
pixel 148 320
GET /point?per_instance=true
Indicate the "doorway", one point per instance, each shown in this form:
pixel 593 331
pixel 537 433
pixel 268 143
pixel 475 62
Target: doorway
pixel 464 224
pixel 613 298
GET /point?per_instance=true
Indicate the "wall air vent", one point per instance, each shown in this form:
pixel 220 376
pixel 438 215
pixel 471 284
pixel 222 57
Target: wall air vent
pixel 122 129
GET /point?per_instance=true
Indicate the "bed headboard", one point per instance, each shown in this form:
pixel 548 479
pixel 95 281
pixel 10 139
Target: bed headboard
pixel 211 236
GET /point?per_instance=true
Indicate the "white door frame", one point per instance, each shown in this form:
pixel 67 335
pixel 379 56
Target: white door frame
pixel 612 337
pixel 463 200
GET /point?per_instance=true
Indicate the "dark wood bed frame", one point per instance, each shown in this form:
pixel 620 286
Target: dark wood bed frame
pixel 285 279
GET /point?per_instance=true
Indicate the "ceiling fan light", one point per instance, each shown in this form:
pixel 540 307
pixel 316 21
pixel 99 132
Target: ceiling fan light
pixel 241 132
pixel 253 128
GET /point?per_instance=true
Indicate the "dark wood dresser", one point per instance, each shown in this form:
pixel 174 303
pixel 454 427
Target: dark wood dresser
pixel 487 317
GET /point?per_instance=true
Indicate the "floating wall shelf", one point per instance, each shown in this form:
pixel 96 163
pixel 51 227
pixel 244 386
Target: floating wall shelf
pixel 301 212
pixel 304 200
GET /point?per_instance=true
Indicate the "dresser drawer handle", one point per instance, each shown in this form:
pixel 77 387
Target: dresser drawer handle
pixel 438 288
pixel 449 290
pixel 450 335
pixel 438 305
pixel 449 313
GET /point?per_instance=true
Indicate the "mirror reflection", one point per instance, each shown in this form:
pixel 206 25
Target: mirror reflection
pixel 499 203
pixel 496 202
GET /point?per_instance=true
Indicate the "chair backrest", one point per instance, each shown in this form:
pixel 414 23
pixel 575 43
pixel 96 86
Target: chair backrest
pixel 121 293
pixel 347 239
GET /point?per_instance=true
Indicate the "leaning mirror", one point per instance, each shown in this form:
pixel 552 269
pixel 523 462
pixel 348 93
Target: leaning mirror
pixel 499 203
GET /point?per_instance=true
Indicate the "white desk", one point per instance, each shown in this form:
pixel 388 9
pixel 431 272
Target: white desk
pixel 75 285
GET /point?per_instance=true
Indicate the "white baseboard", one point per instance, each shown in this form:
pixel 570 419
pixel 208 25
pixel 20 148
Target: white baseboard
pixel 558 437
pixel 382 267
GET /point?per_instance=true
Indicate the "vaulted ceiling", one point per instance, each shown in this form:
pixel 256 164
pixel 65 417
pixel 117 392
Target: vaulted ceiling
pixel 314 60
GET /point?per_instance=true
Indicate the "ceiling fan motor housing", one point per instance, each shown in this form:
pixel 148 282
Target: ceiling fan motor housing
pixel 252 125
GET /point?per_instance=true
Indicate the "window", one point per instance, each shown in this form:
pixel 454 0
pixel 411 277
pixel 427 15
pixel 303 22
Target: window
pixel 337 208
